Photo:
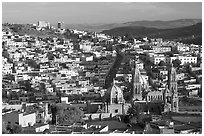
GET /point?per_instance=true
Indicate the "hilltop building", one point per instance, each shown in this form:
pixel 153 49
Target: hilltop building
pixel 43 24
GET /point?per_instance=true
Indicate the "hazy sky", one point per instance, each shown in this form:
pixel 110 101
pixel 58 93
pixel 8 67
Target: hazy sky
pixel 99 12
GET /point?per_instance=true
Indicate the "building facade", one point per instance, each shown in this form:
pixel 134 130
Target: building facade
pixel 171 93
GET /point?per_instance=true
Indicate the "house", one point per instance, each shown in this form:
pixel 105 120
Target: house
pixel 164 126
pixel 7 68
pixel 161 49
pixel 24 119
pixel 182 47
pixel 24 98
pixel 156 58
pixel 183 59
pixel 64 99
pixel 154 96
pixel 37 128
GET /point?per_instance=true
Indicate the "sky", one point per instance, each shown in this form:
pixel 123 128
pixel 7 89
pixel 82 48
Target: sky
pixel 98 12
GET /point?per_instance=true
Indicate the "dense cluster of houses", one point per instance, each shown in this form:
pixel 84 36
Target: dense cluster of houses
pixel 37 71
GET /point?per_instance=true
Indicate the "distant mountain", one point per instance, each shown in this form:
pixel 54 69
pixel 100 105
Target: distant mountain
pixel 189 34
pixel 92 27
pixel 152 24
pixel 165 24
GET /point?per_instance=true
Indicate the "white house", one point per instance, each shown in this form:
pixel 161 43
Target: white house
pixel 24 119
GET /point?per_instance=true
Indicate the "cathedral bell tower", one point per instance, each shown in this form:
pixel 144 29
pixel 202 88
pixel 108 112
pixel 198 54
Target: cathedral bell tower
pixel 137 85
pixel 173 89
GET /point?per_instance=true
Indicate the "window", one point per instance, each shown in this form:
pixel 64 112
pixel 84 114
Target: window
pixel 116 110
pixel 174 104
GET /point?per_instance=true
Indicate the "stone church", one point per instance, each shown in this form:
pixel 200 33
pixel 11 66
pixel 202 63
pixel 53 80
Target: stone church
pixel 115 102
pixel 164 101
pixel 167 99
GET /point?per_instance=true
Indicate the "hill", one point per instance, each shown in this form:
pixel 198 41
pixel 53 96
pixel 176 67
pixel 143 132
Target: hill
pixel 165 24
pixel 189 34
pixel 28 29
pixel 152 24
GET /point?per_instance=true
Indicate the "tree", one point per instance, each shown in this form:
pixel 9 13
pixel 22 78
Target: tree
pixel 135 113
pixel 162 63
pixel 5 54
pixel 176 63
pixel 69 115
pixel 200 92
pixel 42 87
pixel 26 84
pixel 50 56
pixel 135 109
pixel 137 116
pixel 17 28
pixel 17 128
pixel 54 113
pixel 46 131
pixel 32 63
pixel 9 77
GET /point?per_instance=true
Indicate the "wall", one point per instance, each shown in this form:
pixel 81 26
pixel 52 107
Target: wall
pixel 16 107
pixel 187 118
pixel 24 120
pixel 97 115
pixel 11 117
pixel 105 129
pixel 113 107
pixel 42 128
pixel 191 108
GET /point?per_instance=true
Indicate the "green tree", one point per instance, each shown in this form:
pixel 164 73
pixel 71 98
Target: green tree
pixel 176 63
pixel 32 63
pixel 9 77
pixel 135 113
pixel 17 128
pixel 69 115
pixel 162 63
pixel 5 53
pixel 50 56
pixel 26 84
pixel 42 87
pixel 200 92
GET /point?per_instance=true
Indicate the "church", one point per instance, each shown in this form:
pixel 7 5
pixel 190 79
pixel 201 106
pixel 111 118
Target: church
pixel 115 102
pixel 166 100
pixel 155 102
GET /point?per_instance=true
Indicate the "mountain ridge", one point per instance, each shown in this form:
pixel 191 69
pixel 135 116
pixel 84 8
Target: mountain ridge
pixel 153 24
pixel 189 33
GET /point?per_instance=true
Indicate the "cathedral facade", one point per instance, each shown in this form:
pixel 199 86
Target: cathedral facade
pixel 115 102
pixel 168 97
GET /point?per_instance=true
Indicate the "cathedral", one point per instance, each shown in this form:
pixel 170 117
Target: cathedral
pixel 152 101
pixel 168 98
pixel 115 102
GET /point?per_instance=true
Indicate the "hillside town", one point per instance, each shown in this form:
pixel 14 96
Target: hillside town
pixel 93 83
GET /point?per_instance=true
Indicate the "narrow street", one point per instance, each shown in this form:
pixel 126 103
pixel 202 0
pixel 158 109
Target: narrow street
pixel 113 70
